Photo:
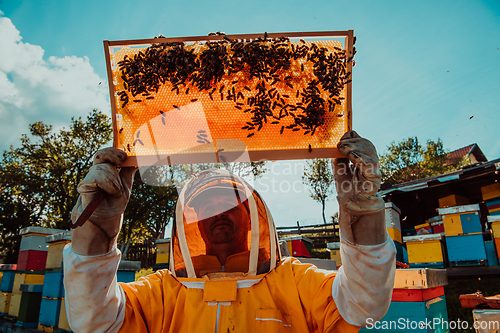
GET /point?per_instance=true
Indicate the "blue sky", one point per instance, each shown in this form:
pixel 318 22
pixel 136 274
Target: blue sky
pixel 423 68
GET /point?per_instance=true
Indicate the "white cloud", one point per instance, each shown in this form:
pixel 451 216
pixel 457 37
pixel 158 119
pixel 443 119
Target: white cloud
pixel 34 89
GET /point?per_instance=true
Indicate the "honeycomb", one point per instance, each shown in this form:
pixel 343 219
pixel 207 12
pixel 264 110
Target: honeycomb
pixel 177 121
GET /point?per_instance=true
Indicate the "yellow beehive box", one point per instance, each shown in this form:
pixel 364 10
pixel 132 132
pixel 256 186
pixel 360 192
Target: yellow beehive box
pixel 24 278
pixel 335 252
pixel 162 258
pixel 162 251
pixel 495 227
pixel 395 234
pixel 56 245
pixel 47 329
pixel 15 303
pixel 491 191
pixel 453 200
pixel 163 245
pixel 63 320
pixel 424 248
pixel 335 255
pixel 4 301
pixel 452 225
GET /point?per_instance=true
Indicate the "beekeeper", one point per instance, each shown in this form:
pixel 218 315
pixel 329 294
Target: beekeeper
pixel 226 271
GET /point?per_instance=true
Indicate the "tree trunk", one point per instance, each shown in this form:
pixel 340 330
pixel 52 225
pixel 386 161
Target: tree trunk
pixel 323 204
pixel 124 253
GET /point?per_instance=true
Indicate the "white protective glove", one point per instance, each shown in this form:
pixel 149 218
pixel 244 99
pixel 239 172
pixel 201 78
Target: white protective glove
pixel 98 235
pixel 361 215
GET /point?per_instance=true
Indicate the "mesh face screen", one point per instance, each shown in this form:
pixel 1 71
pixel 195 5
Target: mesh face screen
pixel 228 99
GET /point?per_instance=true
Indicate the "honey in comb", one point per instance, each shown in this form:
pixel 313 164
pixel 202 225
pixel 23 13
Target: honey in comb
pixel 282 90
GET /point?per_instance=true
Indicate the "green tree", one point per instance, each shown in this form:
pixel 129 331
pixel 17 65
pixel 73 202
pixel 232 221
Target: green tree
pixel 408 160
pixel 38 180
pixel 319 177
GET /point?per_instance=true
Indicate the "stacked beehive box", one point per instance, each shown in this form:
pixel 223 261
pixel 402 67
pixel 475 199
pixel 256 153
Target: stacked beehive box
pixel 418 303
pixel 437 225
pixel 491 197
pixel 6 285
pixel 29 307
pixel 299 246
pixel 33 249
pixel 50 317
pixel 425 250
pixel 162 253
pixel 335 252
pixel 464 238
pixel 23 277
pixel 30 270
pixel 393 224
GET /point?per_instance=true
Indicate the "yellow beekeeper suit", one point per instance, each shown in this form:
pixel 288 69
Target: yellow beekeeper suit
pixel 255 291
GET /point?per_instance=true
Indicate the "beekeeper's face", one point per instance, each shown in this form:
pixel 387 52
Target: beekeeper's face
pixel 223 219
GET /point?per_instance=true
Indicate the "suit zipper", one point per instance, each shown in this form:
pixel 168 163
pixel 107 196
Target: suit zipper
pixel 217 318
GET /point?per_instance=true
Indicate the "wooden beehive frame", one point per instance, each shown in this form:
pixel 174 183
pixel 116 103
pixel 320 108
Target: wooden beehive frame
pixel 254 155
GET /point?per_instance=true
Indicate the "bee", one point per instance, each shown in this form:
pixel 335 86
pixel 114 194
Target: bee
pixel 310 149
pixel 250 135
pixel 121 130
pixel 128 147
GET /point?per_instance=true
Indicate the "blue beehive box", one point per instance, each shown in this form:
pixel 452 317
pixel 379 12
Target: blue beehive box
pixel 125 276
pixel 53 285
pixel 466 250
pixel 7 281
pixel 126 271
pixel 491 253
pixel 471 223
pixel 428 316
pixel 50 309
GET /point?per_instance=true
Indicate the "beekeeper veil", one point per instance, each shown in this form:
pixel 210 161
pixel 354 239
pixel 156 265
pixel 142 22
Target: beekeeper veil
pixel 207 196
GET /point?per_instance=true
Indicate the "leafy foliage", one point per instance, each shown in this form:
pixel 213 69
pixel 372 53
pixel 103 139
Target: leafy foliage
pixel 408 160
pixel 39 179
pixel 319 177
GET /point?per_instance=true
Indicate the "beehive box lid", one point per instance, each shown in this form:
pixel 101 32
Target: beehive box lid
pixel 493 218
pixel 458 209
pixel 161 241
pixel 39 230
pixel 126 265
pixel 391 205
pixel 299 237
pixel 65 235
pixel 333 246
pixel 437 218
pixel 206 111
pixel 31 288
pixel 421 238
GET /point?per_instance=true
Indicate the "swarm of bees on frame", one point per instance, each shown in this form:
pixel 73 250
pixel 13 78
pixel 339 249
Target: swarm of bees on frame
pixel 265 60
